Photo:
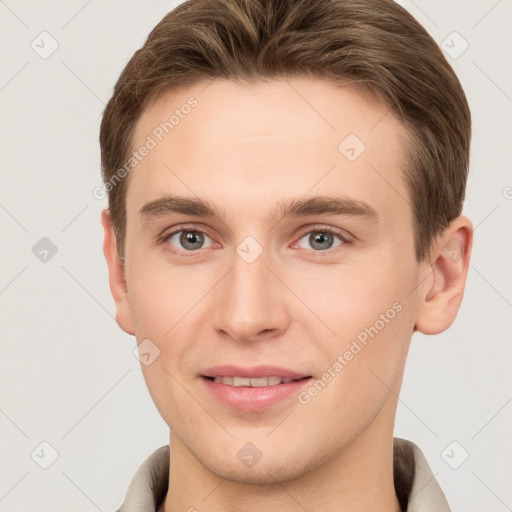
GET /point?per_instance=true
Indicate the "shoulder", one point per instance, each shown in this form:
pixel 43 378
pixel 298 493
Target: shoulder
pixel 149 484
pixel 415 484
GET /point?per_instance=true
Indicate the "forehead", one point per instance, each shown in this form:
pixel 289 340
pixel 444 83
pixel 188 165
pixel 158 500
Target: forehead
pixel 246 146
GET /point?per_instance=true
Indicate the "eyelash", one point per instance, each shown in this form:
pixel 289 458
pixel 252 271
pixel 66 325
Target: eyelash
pixel 168 247
pixel 191 228
pixel 345 240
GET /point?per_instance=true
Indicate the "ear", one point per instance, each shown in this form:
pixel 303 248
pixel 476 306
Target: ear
pixel 442 293
pixel 116 275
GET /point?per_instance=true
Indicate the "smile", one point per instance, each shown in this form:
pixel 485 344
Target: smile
pixel 259 382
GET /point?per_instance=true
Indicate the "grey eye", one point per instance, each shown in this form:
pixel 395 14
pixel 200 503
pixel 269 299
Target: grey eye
pixel 320 240
pixel 190 240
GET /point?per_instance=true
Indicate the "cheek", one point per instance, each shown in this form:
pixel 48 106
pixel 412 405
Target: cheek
pixel 167 305
pixel 161 295
pixel 349 298
pixel 156 311
pixel 367 320
pixel 362 367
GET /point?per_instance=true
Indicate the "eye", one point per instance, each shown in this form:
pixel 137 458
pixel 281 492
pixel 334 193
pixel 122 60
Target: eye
pixel 321 240
pixel 190 240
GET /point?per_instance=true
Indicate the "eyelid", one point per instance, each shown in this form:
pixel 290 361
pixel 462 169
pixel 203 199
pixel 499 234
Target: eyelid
pixel 182 227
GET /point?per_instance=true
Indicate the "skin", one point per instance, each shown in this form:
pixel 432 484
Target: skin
pixel 245 148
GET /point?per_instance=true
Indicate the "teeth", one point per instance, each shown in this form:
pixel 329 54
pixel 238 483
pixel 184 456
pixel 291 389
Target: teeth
pixel 258 382
pixel 241 381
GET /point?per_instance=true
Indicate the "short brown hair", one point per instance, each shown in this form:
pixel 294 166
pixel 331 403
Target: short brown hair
pixel 374 42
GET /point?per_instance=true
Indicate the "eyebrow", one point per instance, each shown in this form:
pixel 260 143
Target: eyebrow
pixel 318 205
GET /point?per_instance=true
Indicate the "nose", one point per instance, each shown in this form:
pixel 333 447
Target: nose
pixel 251 302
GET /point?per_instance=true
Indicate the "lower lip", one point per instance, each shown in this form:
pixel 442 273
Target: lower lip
pixel 253 399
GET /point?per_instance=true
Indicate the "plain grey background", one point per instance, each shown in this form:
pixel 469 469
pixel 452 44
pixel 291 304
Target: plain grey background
pixel 69 378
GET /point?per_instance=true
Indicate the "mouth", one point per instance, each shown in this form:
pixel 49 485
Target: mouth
pixel 252 389
pixel 256 382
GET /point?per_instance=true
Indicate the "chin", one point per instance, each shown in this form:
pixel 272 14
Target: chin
pixel 267 470
pixel 262 475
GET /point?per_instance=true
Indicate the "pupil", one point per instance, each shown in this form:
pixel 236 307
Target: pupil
pixel 321 240
pixel 191 240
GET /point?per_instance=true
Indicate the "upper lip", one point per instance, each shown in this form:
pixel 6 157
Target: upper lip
pixel 253 372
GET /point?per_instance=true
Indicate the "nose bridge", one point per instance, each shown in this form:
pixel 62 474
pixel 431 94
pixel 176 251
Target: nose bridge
pixel 249 280
pixel 250 300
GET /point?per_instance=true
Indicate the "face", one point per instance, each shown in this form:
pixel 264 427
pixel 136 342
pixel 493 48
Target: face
pixel 269 237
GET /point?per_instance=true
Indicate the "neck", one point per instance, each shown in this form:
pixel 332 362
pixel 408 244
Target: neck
pixel 359 477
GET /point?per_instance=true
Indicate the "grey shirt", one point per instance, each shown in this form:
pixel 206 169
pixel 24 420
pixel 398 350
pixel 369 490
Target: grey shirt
pixel 416 488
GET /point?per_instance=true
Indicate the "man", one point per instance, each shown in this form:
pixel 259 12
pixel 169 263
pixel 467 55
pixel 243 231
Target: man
pixel 285 182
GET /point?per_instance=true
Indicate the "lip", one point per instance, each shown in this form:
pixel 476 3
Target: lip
pixel 252 398
pixel 252 373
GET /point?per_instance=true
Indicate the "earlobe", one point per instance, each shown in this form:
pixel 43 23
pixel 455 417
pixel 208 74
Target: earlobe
pixel 116 276
pixel 440 302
